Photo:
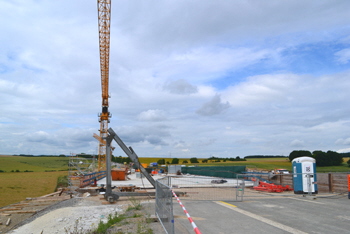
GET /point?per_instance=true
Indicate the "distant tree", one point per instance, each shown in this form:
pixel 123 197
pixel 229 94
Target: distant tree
pixel 175 161
pixel 299 153
pixel 348 162
pixel 184 161
pixel 335 158
pixel 345 155
pixel 204 160
pixel 194 160
pixel 161 161
pixel 321 158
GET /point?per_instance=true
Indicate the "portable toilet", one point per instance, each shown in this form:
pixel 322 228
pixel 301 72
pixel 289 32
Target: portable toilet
pixel 304 175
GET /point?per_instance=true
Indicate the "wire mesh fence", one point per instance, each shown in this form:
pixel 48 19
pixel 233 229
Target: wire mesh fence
pixel 164 205
pixel 206 187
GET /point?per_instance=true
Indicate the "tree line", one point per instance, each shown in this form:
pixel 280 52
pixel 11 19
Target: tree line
pixel 329 158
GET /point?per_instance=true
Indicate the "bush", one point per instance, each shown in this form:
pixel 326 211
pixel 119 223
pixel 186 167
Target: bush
pixel 161 161
pixel 175 161
pixel 194 160
pixel 348 162
pixel 299 153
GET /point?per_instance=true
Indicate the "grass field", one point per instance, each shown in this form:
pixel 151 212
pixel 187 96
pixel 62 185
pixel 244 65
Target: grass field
pixel 17 186
pixel 36 164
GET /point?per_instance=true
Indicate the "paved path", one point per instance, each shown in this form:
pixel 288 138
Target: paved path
pixel 269 215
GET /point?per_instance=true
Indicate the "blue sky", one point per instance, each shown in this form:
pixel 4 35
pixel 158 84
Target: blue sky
pixel 187 78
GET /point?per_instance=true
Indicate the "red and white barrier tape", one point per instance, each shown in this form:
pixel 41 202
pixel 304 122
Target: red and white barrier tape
pixel 195 228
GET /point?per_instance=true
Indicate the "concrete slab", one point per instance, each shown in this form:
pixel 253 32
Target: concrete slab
pixel 184 181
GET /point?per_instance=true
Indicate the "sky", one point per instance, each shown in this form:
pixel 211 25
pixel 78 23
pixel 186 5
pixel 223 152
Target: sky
pixel 196 78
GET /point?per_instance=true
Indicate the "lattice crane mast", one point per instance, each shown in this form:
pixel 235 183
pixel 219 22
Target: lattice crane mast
pixel 104 19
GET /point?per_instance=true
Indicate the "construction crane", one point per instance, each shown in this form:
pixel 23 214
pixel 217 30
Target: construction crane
pixel 104 22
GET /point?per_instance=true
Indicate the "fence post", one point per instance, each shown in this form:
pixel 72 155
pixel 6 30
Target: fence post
pixel 330 183
pixel 281 179
pixel 349 186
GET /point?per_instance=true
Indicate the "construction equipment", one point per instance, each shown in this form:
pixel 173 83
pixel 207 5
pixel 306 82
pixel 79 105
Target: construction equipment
pixel 104 18
pixel 109 194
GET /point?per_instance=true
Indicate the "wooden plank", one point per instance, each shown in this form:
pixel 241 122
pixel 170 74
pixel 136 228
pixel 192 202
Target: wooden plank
pixel 4 214
pixel 20 204
pixel 51 194
pixel 51 199
pixel 23 212
pixel 8 209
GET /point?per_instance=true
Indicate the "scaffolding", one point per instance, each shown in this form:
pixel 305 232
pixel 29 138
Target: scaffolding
pixel 78 167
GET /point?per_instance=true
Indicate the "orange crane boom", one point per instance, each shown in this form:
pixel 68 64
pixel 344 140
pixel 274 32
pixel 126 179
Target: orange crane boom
pixel 104 22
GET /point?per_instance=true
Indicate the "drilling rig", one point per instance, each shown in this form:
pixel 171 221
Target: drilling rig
pixel 104 22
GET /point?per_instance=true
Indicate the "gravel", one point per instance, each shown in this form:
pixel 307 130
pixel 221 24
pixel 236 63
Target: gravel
pixel 80 214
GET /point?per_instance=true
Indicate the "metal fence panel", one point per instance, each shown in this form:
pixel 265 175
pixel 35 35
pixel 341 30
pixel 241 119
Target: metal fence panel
pixel 164 206
pixel 194 187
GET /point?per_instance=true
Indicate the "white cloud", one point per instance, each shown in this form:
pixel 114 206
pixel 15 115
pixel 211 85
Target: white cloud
pixel 343 56
pixel 342 141
pixel 152 115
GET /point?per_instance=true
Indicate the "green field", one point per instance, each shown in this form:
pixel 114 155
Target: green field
pixel 17 186
pixel 40 180
pixel 36 164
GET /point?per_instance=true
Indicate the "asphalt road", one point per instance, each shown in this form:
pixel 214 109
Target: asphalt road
pixel 295 214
